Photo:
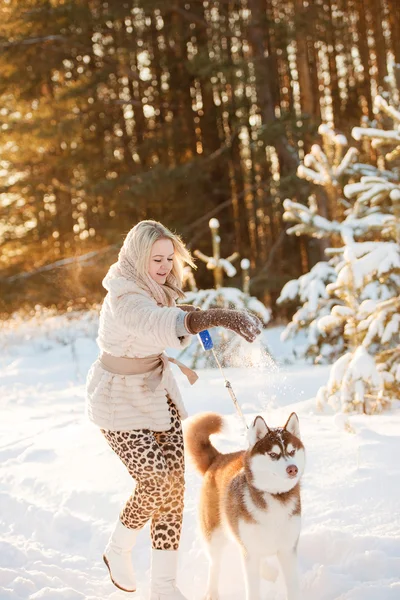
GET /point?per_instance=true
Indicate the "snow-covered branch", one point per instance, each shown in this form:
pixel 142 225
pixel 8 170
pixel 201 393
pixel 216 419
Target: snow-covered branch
pixel 324 166
pixel 381 138
pixel 309 222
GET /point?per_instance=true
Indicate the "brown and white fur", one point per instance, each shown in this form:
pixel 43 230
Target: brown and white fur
pixel 252 496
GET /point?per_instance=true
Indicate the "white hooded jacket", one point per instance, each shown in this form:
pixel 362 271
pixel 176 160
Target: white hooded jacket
pixel 133 325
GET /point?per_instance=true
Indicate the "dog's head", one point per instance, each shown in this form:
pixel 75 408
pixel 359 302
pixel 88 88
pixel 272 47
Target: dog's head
pixel 275 459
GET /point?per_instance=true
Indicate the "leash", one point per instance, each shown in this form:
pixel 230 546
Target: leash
pixel 207 343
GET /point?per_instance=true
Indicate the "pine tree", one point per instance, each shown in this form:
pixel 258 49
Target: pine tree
pixel 116 111
pixel 366 291
pixel 327 166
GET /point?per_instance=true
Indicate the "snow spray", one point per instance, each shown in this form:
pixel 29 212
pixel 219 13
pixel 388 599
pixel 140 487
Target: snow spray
pixel 207 343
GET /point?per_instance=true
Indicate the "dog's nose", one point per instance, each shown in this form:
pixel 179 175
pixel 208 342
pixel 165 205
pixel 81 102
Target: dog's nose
pixel 292 470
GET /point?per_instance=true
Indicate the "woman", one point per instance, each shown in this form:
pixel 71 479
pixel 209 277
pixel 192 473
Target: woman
pixel 133 397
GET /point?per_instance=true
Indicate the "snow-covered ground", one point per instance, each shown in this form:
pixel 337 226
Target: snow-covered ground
pixel 62 487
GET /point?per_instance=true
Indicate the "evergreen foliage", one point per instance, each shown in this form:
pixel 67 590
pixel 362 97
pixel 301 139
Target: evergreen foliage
pixel 358 312
pixel 116 111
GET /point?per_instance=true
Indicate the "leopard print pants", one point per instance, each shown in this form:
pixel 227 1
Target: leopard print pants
pixel 156 462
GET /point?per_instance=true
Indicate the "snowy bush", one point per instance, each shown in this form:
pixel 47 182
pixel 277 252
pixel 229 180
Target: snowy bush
pixel 310 290
pixel 46 328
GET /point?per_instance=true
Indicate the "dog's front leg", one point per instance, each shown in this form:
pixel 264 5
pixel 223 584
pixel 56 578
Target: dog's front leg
pixel 288 562
pixel 251 564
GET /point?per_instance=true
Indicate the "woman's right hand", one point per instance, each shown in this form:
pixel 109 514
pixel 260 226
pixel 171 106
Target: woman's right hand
pixel 241 322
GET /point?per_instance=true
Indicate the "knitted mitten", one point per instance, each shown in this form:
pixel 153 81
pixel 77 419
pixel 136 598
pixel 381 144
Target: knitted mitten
pixel 243 323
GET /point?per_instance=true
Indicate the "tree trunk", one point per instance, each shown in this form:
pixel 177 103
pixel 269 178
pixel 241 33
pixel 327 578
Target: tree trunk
pixel 333 72
pixel 380 43
pixel 308 99
pixel 394 21
pixel 288 158
pixel 364 54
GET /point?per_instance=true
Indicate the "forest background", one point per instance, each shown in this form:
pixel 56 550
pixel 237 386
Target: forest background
pixel 113 112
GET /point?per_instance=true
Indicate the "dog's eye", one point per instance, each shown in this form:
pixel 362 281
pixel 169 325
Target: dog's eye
pixel 292 453
pixel 273 455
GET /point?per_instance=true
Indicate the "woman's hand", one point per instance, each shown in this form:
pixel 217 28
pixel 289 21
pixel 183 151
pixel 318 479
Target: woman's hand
pixel 243 323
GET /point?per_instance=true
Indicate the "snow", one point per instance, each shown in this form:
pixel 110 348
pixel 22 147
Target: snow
pixel 341 140
pixel 62 487
pixel 392 328
pixel 347 160
pixel 359 132
pixel 369 222
pixel 325 129
pixel 318 168
pixel 345 311
pixel 380 103
pixel 227 266
pixel 290 291
pixel 309 287
pixel 311 290
pixel 328 322
pixel 365 169
pixel 383 323
pixel 213 223
pixel 307 173
pixel 395 194
pixel 375 258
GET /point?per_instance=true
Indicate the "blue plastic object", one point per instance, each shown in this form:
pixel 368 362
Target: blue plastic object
pixel 205 339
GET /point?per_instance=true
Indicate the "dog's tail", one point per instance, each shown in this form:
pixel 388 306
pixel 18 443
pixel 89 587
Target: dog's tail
pixel 197 439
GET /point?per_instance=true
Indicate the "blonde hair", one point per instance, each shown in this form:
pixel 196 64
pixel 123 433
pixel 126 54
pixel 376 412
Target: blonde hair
pixel 142 238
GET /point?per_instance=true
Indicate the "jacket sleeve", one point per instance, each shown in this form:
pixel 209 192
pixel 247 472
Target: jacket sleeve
pixel 141 316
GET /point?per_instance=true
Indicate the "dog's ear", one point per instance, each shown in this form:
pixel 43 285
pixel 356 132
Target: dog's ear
pixel 293 425
pixel 257 431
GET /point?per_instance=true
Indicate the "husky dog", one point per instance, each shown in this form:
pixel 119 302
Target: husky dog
pixel 252 496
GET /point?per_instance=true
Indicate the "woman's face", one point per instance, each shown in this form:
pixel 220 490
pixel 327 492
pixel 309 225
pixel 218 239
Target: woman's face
pixel 161 257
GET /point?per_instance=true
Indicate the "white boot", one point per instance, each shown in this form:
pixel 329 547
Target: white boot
pixel 118 558
pixel 164 565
